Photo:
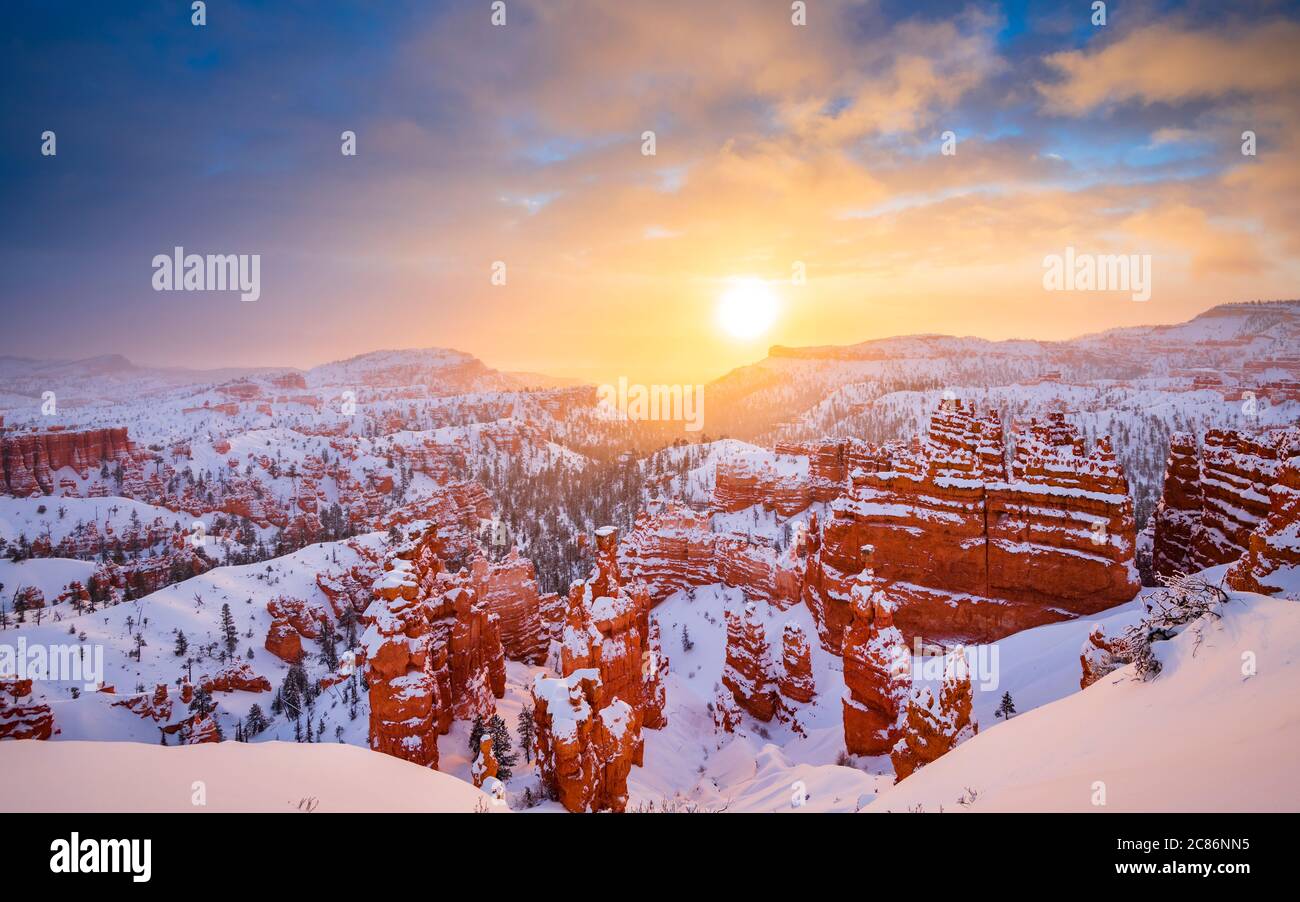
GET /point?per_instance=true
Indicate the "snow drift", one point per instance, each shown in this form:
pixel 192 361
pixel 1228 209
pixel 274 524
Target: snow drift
pixel 234 776
pixel 1217 730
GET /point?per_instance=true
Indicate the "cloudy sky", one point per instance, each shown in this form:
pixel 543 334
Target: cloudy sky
pixel 776 146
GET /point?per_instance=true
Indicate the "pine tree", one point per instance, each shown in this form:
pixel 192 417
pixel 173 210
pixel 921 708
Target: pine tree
pixel 290 695
pixel 687 644
pixel 1006 708
pixel 527 730
pixel 202 702
pixel 502 748
pixel 350 626
pixel 329 655
pixel 256 721
pixel 228 631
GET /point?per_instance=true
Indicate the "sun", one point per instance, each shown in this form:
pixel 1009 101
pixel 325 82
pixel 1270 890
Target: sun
pixel 747 309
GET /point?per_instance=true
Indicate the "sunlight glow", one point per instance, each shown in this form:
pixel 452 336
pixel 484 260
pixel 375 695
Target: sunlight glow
pixel 747 309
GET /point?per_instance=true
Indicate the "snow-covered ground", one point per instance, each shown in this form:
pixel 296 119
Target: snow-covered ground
pixel 194 608
pixel 225 777
pixel 1217 730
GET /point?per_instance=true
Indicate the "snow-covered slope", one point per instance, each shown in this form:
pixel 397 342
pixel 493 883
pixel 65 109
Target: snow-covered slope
pixel 1207 734
pixel 234 776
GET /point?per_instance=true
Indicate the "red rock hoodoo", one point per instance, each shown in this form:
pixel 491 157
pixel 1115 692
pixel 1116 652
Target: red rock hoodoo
pixel 589 721
pixel 509 590
pixel 748 666
pixel 585 749
pixel 235 678
pixel 796 679
pixel 876 666
pixel 607 628
pixel 433 650
pixel 485 765
pixel 934 726
pixel 283 641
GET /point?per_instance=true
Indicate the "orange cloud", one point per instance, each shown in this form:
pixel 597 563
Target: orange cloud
pixel 1166 63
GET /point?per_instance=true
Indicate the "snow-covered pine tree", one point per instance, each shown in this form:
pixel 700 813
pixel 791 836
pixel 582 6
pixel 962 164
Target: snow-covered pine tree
pixel 527 732
pixel 256 721
pixel 228 632
pixel 329 655
pixel 502 747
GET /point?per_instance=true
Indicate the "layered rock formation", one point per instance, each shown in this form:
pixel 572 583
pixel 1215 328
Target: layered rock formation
pixel 235 678
pixel 747 669
pixel 968 548
pixel 201 730
pixel 829 463
pixel 21 716
pixel 156 707
pixel 764 681
pixel 29 461
pixel 485 765
pixel 654 695
pixel 585 748
pixel 781 484
pixel 1214 501
pixel 476 660
pixel 589 722
pixel 875 669
pixel 303 616
pixel 407 705
pixel 433 650
pixel 1271 564
pixel 934 726
pixel 796 677
pixel 675 549
pixel 509 590
pixel 607 627
pixel 1177 518
pixel 283 641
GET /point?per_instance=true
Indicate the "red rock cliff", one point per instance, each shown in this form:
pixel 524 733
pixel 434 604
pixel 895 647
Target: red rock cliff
pixel 969 550
pixel 1214 502
pixel 29 461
